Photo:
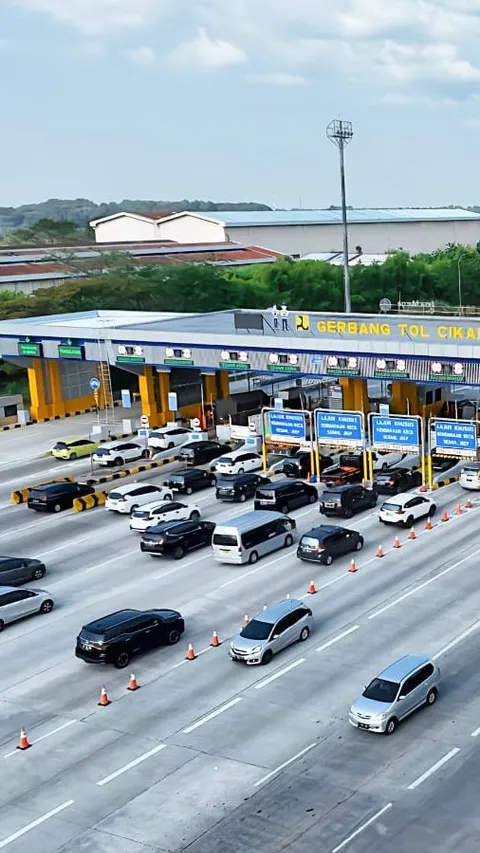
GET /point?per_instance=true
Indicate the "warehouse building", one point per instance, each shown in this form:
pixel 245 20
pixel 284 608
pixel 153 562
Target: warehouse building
pixel 300 232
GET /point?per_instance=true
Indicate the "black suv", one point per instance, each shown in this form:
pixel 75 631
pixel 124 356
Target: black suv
pixel 16 570
pixel 200 452
pixel 285 495
pixel 190 480
pixel 322 544
pixel 118 636
pixel 53 497
pixel 239 487
pixel 347 500
pixel 397 480
pixel 175 538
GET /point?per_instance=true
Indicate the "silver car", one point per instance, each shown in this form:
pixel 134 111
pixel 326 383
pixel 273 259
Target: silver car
pixel 400 689
pixel 272 630
pixel 17 603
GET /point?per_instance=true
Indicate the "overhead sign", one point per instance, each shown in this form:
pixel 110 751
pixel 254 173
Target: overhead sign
pixel 340 429
pixel 71 351
pixel 30 349
pixel 456 438
pixel 285 427
pixel 395 433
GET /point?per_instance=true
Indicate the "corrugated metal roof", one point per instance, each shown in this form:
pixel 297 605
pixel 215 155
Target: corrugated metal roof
pixel 252 218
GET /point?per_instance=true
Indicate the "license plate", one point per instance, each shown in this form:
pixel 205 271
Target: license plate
pixel 87 647
pixel 331 505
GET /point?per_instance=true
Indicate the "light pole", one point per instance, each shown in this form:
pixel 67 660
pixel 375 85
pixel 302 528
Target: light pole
pixel 341 133
pixel 459 268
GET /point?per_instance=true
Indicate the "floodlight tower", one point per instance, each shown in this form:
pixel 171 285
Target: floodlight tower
pixel 341 133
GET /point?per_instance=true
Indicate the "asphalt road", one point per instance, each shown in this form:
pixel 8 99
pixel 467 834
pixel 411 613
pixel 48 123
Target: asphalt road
pixel 213 757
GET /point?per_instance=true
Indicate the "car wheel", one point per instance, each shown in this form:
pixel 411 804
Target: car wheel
pixel 253 557
pixel 47 606
pixel 170 445
pixel 38 573
pixel 284 509
pixel 213 481
pixel 328 560
pixel 173 636
pixel 195 515
pixel 409 521
pixel 391 726
pixel 432 510
pixel 2 624
pixel 267 657
pixel 432 696
pixel 178 553
pixel 312 499
pixel 288 541
pixel 241 471
pixel 304 634
pixel 122 660
pixel 359 545
pixel 134 507
pixel 188 490
pixel 242 498
pixel 57 508
pixel 348 513
pixel 145 453
pixel 73 456
pixel 384 466
pixel 118 461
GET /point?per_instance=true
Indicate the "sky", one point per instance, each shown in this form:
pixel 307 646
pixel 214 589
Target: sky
pixel 229 100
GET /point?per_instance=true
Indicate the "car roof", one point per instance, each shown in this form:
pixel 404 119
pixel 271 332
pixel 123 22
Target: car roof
pixel 345 488
pixel 159 502
pixel 276 611
pixel 250 520
pixel 4 589
pixel 237 478
pixel 185 472
pixel 324 530
pixel 403 667
pixel 111 445
pixel 125 490
pixel 279 484
pixel 51 487
pixel 401 500
pixel 71 438
pixel 99 626
pixel 166 526
pixel 390 471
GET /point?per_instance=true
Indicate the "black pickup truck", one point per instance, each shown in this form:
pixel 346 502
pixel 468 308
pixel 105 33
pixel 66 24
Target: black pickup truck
pixel 350 470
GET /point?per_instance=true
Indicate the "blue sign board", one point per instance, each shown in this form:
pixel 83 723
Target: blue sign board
pixel 396 433
pixel 94 383
pixel 284 426
pixel 340 429
pixel 456 438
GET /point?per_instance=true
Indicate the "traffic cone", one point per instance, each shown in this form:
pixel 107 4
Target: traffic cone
pixel 353 567
pixel 423 488
pixel 458 510
pixel 104 700
pixel 429 525
pixel 379 552
pixel 23 742
pixel 132 684
pixel 215 641
pixel 246 619
pixel 412 534
pixel 190 653
pixel 312 588
pixel 468 504
pixel 396 543
pixel 445 515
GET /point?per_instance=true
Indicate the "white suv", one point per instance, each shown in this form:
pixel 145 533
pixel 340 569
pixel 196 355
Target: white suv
pixel 126 499
pixel 240 462
pixel 157 512
pixel 119 452
pixel 168 437
pixel 405 509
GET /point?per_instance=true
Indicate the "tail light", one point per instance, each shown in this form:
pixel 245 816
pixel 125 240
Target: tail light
pixel 240 549
pixel 293 523
pixel 400 512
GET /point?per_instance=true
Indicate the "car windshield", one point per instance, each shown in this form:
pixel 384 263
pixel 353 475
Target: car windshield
pixel 60 445
pixel 470 469
pixel 225 539
pixel 309 542
pixel 391 506
pixel 225 460
pixel 381 691
pixel 331 496
pixel 384 477
pixel 116 496
pixel 140 513
pixel 256 630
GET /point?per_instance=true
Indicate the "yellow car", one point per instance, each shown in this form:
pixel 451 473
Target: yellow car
pixel 74 448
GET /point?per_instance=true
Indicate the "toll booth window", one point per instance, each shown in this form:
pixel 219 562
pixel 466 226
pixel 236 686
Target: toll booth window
pixel 429 398
pixel 438 395
pixel 283 359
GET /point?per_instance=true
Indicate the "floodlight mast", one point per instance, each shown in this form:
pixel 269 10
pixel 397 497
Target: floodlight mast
pixel 341 133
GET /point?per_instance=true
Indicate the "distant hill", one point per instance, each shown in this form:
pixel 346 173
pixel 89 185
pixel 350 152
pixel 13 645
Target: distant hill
pixel 82 210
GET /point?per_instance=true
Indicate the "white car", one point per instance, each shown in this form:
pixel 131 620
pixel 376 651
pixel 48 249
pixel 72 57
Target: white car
pixel 119 452
pixel 157 513
pixel 125 499
pixel 168 437
pixel 406 508
pixel 239 462
pixel 17 603
pixel 384 461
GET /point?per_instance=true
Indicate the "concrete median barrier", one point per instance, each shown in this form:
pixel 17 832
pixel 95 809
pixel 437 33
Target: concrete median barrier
pixel 90 501
pixel 20 496
pixel 446 481
pixel 130 472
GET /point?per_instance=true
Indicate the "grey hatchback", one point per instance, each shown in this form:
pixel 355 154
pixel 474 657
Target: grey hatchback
pixel 272 630
pixel 400 689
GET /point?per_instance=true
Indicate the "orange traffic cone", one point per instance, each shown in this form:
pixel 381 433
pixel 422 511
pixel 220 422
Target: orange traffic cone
pixel 468 504
pixel 423 488
pixel 396 543
pixel 132 684
pixel 429 525
pixel 215 641
pixel 412 534
pixel 312 588
pixel 379 552
pixel 104 700
pixel 23 742
pixel 246 620
pixel 445 515
pixel 353 567
pixel 190 653
pixel 458 510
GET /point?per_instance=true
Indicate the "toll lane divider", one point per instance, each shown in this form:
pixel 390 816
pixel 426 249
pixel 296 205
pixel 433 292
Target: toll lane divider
pixel 446 481
pixel 90 501
pixel 56 417
pixel 19 496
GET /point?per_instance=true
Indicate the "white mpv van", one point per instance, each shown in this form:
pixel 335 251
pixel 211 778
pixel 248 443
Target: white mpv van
pixel 125 499
pixel 250 536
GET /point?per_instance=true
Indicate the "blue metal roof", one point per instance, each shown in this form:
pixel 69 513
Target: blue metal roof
pixel 250 218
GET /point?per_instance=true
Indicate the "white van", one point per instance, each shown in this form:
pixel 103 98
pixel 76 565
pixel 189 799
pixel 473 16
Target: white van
pixel 470 476
pixel 250 536
pixel 169 437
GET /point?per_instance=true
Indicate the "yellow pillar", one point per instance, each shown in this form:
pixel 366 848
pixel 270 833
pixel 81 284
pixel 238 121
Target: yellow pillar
pixel 223 383
pixel 164 390
pixel 57 403
pixel 209 388
pixel 39 408
pixel 404 399
pixel 355 394
pixel 146 384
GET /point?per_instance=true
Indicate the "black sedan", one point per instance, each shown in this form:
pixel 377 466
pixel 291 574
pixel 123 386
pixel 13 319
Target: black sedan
pixel 189 480
pixel 239 487
pixel 397 480
pixel 17 570
pixel 175 538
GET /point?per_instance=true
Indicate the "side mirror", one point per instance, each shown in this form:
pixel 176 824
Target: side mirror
pixel 401 697
pixel 275 637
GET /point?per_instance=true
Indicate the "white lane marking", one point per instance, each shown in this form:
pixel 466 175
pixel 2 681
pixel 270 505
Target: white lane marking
pixel 42 737
pixel 434 768
pixel 35 823
pixel 456 640
pixel 279 673
pixel 423 585
pixel 476 732
pixel 24 528
pixel 337 638
pixel 131 764
pixel 362 827
pixel 212 716
pixel 285 764
pixel 252 571
pixel 67 544
pixel 179 568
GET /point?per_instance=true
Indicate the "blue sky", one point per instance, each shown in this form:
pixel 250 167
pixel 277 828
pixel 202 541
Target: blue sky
pixel 229 99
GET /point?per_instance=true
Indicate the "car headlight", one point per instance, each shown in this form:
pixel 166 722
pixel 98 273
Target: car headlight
pixel 256 650
pixel 381 716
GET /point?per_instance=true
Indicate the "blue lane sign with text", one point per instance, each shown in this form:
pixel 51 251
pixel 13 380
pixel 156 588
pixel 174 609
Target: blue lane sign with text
pixel 456 438
pixel 395 433
pixel 340 429
pixel 283 426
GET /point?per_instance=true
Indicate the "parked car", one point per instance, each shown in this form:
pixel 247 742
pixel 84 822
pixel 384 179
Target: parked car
pixel 169 437
pixel 239 487
pixel 347 500
pixel 406 509
pixel 17 603
pixel 74 448
pixel 398 691
pixel 120 452
pixel 117 637
pixel 298 466
pixel 53 497
pixel 324 543
pixel 175 538
pixel 397 480
pixel 189 480
pixel 125 499
pixel 16 570
pixel 285 495
pixel 156 513
pixel 201 452
pixel 271 631
pixel 238 462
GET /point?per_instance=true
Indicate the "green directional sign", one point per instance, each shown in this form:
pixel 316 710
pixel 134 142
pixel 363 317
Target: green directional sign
pixel 70 351
pixel 26 348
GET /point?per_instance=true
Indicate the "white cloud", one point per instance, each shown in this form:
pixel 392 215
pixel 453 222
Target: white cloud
pixel 279 78
pixel 207 52
pixel 96 16
pixel 141 55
